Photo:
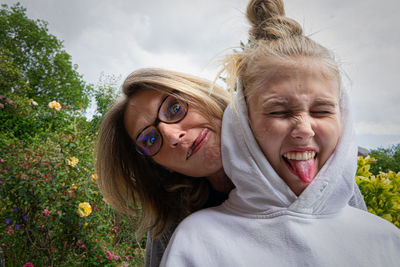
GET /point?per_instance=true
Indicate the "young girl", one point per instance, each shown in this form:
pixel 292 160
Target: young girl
pixel 288 146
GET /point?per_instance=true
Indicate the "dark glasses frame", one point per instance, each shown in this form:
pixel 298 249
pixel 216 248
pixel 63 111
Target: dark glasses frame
pixel 157 122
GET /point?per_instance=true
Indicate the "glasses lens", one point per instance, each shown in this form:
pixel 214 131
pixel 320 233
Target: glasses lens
pixel 149 141
pixel 172 110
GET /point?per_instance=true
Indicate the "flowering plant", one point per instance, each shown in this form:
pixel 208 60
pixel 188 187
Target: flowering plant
pixel 55 105
pixel 32 102
pixel 381 192
pixel 84 209
pixel 48 199
pixel 73 161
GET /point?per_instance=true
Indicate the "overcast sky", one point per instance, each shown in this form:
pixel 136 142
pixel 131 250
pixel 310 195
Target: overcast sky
pixel 119 36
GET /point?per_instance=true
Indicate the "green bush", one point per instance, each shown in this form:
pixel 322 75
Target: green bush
pixel 51 212
pixel 387 159
pixel 381 192
pixel 33 62
pixel 46 173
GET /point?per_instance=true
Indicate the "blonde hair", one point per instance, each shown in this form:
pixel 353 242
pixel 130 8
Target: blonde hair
pixel 135 184
pixel 275 40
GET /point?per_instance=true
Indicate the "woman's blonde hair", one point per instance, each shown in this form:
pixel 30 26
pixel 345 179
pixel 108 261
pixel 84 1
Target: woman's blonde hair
pixel 135 184
pixel 275 40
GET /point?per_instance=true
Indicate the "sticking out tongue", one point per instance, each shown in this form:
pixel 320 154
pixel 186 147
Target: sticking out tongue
pixel 304 169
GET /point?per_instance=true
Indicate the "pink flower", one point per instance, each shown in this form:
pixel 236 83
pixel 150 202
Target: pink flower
pixel 2 160
pixel 46 212
pixel 83 247
pixel 28 264
pixel 79 242
pixel 110 255
pixel 10 230
pixel 116 258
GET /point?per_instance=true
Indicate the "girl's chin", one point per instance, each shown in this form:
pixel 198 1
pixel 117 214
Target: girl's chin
pixel 294 182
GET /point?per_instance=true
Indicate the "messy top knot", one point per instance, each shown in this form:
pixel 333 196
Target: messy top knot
pixel 275 40
pixel 269 22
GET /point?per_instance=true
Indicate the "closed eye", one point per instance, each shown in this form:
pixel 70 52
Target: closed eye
pixel 321 113
pixel 279 113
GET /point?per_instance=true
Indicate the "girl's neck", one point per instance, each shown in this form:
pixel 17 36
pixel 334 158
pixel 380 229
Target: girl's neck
pixel 221 182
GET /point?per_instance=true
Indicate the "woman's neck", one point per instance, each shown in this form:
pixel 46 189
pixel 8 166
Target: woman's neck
pixel 221 182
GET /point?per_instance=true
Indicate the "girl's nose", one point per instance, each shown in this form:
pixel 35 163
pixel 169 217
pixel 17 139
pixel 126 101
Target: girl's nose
pixel 302 129
pixel 172 133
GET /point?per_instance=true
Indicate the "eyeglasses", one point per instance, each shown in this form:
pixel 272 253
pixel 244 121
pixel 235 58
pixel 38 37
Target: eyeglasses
pixel 149 140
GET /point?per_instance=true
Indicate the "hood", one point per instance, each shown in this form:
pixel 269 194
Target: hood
pixel 260 190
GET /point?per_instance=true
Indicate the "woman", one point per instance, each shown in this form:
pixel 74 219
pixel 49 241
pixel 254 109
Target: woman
pixel 288 146
pixel 158 152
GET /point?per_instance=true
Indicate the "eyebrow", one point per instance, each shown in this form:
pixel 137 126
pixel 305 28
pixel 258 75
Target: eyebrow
pixel 275 102
pixel 324 102
pixel 285 103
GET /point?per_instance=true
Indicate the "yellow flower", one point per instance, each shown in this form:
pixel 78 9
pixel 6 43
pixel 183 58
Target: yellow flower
pixel 74 187
pixel 72 161
pixel 84 209
pixel 85 224
pixel 94 176
pixel 32 102
pixel 55 105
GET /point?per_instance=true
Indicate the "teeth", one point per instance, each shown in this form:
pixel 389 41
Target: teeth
pixel 306 155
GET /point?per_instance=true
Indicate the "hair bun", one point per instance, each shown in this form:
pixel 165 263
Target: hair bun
pixel 268 21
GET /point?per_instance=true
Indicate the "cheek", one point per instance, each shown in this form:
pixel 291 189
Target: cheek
pixel 329 134
pixel 269 135
pixel 195 117
pixel 258 122
pixel 161 159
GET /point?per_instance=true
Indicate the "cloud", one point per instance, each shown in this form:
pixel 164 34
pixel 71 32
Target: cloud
pixel 377 128
pixel 120 36
pixel 104 36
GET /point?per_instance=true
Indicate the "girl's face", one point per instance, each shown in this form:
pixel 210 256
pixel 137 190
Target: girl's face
pixel 295 118
pixel 190 146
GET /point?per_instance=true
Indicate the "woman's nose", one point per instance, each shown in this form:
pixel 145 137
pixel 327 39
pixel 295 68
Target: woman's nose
pixel 302 128
pixel 172 133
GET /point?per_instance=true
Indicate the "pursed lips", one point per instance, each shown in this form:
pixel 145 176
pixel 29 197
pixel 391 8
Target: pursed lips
pixel 198 143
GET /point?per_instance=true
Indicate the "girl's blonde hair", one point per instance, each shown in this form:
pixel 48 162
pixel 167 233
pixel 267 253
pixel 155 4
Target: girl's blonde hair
pixel 135 184
pixel 275 40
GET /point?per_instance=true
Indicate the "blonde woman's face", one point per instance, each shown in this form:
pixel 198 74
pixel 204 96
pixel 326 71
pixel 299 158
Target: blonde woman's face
pixel 189 146
pixel 295 119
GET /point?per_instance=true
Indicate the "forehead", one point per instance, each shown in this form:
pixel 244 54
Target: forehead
pixel 141 110
pixel 301 79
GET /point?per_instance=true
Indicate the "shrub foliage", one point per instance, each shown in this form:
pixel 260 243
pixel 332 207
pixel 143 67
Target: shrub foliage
pixel 51 208
pixel 381 192
pixel 51 211
pixel 388 159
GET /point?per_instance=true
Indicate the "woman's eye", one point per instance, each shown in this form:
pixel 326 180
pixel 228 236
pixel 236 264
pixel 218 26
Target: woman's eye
pixel 149 141
pixel 174 109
